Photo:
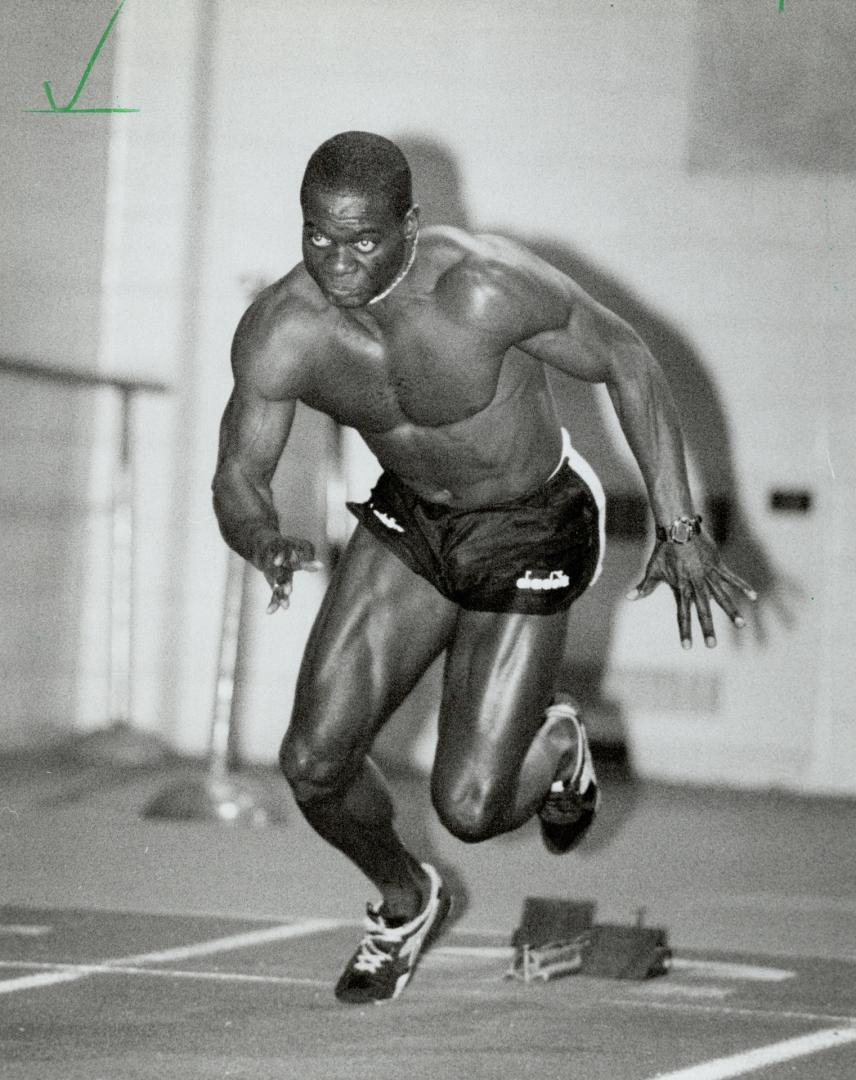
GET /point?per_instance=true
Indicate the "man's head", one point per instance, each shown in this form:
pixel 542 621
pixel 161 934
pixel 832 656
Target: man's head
pixel 358 216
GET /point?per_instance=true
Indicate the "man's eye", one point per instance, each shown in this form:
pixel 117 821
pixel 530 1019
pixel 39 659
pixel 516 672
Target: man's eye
pixel 319 240
pixel 365 246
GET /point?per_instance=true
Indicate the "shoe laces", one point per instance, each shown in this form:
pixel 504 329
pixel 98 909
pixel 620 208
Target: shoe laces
pixel 371 954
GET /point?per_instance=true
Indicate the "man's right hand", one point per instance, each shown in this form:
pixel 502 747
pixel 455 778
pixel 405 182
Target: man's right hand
pixel 278 560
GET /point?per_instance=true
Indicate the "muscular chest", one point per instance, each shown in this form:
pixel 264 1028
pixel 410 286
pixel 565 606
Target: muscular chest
pixel 421 370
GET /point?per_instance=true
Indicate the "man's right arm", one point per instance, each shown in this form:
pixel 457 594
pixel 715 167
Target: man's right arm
pixel 253 434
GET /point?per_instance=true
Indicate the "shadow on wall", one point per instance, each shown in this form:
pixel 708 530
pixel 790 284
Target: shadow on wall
pixel 438 190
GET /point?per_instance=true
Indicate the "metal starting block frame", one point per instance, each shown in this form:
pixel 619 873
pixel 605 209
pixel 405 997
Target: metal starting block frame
pixel 559 937
pixel 550 961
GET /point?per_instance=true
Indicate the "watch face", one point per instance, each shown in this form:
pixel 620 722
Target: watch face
pixel 682 531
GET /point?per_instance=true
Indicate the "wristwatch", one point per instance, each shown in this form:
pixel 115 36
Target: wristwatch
pixel 681 531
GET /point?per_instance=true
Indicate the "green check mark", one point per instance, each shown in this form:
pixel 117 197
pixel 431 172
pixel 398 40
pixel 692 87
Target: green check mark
pixel 69 108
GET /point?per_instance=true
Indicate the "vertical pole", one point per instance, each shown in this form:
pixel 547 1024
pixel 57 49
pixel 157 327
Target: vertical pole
pixel 219 795
pixel 122 564
pixel 221 723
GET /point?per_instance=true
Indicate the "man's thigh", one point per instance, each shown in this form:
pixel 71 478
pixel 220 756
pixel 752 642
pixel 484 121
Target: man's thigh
pixel 500 677
pixel 378 629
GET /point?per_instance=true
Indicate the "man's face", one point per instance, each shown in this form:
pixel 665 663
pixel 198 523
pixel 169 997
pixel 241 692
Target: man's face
pixel 353 244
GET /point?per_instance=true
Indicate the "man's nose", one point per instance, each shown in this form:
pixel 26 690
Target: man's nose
pixel 341 261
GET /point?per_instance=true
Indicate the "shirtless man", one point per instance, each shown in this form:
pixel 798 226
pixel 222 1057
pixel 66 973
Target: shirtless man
pixel 483 529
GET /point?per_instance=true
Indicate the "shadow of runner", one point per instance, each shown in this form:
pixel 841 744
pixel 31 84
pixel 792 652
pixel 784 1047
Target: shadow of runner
pixel 439 192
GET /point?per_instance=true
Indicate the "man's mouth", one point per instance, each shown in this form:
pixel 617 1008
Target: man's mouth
pixel 339 293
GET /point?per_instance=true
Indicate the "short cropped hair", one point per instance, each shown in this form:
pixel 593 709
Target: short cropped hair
pixel 361 161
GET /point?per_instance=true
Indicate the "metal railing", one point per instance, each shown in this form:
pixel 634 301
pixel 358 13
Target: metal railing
pixel 121 511
pixel 218 795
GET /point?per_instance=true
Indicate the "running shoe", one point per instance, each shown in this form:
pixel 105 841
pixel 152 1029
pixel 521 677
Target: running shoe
pixel 387 955
pixel 572 802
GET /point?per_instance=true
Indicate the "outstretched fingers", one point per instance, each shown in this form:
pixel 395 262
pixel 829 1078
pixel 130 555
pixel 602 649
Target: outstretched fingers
pixel 705 618
pixel 645 587
pixel 726 601
pixel 737 582
pixel 697 579
pixel 700 593
pixel 683 602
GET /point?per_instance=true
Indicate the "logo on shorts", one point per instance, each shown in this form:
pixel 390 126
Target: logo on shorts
pixel 388 520
pixel 557 579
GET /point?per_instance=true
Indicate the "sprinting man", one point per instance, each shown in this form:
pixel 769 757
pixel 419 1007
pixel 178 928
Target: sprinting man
pixel 483 529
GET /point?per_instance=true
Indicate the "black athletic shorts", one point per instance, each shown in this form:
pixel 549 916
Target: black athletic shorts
pixel 535 554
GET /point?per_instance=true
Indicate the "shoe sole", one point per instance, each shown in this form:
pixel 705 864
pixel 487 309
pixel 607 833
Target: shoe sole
pixel 560 839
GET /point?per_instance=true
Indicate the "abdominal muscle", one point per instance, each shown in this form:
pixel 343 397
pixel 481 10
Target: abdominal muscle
pixel 501 452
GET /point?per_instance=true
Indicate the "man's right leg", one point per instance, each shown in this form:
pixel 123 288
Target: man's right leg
pixel 379 628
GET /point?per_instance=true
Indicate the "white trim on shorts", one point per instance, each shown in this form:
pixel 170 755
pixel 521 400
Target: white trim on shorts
pixel 586 473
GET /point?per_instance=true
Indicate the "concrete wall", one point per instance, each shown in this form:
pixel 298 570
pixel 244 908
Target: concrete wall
pixel 53 191
pixel 601 135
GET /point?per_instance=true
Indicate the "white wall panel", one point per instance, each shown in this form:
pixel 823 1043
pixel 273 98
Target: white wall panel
pixel 563 122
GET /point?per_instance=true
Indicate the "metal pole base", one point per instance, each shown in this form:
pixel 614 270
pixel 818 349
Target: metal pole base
pixel 120 744
pixel 222 801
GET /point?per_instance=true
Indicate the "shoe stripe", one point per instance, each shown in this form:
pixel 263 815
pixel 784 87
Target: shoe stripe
pixel 583 773
pixel 412 947
pixel 567 711
pixel 586 769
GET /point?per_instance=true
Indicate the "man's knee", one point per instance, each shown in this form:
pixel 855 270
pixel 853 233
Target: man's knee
pixel 313 771
pixel 469 809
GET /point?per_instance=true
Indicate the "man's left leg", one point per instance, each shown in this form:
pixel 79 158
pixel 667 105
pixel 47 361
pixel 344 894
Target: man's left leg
pixel 503 740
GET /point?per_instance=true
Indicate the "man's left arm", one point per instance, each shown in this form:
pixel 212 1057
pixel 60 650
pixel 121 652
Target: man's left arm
pixel 586 340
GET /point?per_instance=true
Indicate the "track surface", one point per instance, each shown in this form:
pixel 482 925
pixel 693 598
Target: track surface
pixel 113 996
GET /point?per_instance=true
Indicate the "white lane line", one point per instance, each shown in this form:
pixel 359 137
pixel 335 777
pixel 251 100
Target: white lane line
pixel 23 930
pixel 472 952
pixel 750 1060
pixel 213 976
pixel 720 970
pixel 717 969
pixel 227 944
pixel 643 1002
pixel 181 952
pixel 77 970
pixel 34 982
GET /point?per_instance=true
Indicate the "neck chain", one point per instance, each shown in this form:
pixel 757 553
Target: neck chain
pixel 400 276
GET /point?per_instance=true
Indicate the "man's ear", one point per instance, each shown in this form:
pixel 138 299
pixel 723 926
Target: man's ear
pixel 411 222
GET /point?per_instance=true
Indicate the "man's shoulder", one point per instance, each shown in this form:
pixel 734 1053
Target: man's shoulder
pixel 285 305
pixel 276 331
pixel 460 249
pixel 489 279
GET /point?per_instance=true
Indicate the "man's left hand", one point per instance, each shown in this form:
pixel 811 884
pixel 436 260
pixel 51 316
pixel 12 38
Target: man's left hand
pixel 696 574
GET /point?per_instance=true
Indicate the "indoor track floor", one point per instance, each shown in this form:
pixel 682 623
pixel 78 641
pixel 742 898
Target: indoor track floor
pixel 134 948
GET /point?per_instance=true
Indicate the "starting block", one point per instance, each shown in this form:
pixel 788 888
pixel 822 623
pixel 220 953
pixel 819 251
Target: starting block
pixel 626 952
pixel 545 920
pixel 559 937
